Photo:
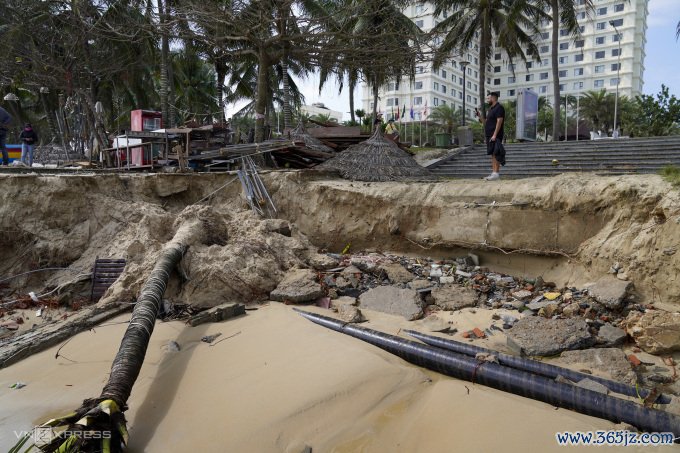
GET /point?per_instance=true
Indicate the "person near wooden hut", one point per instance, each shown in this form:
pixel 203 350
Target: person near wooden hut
pixel 5 120
pixel 493 132
pixel 391 131
pixel 28 139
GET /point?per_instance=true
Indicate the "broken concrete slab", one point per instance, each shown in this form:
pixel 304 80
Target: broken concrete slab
pixel 522 294
pixel 396 301
pixel 343 300
pixel 218 314
pixel 595 386
pixel 299 285
pixel 396 273
pixel 454 297
pixel 536 336
pixel 351 314
pixel 611 336
pixel 350 270
pixel 322 262
pixel 420 284
pixel 610 291
pixel 611 363
pixel 656 332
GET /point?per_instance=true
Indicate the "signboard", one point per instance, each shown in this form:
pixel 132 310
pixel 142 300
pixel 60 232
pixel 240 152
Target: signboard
pixel 527 115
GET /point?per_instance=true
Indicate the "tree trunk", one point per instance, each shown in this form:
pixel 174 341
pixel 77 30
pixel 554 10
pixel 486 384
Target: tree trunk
pixel 555 69
pixel 165 50
pixel 262 92
pixel 219 91
pixel 128 362
pixel 375 102
pixel 105 413
pixel 351 101
pixel 484 45
pixel 287 116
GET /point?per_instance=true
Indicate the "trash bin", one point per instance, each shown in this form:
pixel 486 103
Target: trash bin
pixel 465 136
pixel 442 139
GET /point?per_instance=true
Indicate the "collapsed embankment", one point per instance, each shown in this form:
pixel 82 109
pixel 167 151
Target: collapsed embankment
pixel 570 228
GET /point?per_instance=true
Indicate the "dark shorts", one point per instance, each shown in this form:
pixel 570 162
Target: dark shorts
pixel 490 145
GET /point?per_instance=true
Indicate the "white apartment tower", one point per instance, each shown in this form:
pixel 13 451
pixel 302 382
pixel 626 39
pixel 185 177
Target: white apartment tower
pixel 614 32
pixel 431 88
pixel 589 63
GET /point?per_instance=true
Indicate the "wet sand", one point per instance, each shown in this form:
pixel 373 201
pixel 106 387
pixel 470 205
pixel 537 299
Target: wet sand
pixel 278 384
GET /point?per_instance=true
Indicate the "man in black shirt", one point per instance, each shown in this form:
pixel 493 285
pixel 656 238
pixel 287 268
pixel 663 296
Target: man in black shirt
pixel 493 131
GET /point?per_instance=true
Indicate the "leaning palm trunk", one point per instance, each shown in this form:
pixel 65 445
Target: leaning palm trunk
pixel 99 424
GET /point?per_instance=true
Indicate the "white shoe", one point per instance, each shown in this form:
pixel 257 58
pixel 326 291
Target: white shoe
pixel 493 177
pixel 487 178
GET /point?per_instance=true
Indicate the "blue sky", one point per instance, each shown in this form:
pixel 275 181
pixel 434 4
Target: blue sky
pixel 662 62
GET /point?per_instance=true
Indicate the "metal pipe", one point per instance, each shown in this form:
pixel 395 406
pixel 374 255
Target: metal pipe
pixel 511 380
pixel 532 366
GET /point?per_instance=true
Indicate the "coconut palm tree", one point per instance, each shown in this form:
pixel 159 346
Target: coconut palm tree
pixel 385 43
pixel 562 14
pixel 447 117
pixel 597 107
pixel 99 424
pixel 511 24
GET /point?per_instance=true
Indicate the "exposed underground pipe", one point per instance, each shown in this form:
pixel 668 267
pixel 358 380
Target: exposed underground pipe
pixel 519 382
pixel 532 366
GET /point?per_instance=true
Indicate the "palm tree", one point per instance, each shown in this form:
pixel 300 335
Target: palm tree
pixel 380 44
pixel 512 24
pixel 447 117
pixel 105 413
pixel 597 107
pixel 563 13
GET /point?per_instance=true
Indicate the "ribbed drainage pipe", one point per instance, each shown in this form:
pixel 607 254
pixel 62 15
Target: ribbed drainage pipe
pixel 532 366
pixel 519 382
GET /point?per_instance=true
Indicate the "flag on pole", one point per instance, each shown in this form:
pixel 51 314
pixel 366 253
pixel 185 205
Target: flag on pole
pixel 403 112
pixel 411 112
pixel 397 117
pixel 392 112
pixel 425 111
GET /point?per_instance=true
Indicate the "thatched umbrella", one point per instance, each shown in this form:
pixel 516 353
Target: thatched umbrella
pixel 300 134
pixel 377 159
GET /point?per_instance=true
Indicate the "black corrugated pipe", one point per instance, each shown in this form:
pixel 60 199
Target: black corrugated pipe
pixel 532 366
pixel 511 380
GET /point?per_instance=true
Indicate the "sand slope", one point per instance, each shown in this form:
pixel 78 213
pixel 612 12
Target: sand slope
pixel 278 385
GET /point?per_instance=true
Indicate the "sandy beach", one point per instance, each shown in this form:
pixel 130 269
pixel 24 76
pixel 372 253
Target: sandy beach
pixel 277 383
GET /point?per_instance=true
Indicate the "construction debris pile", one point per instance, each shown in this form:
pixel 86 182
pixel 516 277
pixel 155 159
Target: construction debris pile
pixel 529 316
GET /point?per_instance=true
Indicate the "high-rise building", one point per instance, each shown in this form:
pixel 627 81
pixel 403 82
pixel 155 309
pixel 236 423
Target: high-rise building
pixel 612 34
pixel 431 88
pixel 610 50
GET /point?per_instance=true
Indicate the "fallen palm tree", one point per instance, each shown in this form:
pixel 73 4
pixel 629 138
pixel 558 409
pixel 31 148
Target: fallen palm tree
pixel 99 424
pixel 511 380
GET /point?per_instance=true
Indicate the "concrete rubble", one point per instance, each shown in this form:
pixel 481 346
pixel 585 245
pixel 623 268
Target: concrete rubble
pixel 537 336
pixel 299 285
pixel 610 363
pixel 656 332
pixel 396 301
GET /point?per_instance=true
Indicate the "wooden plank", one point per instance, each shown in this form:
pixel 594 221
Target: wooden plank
pixel 339 131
